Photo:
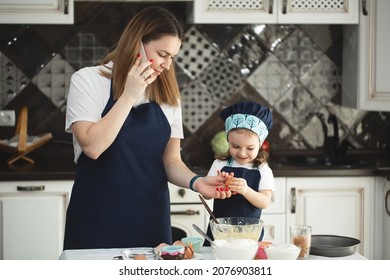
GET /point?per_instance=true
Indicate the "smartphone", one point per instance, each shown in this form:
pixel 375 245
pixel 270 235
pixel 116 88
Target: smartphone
pixel 143 53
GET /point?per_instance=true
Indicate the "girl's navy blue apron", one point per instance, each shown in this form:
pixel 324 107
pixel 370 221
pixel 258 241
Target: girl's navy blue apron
pixel 237 205
pixel 121 199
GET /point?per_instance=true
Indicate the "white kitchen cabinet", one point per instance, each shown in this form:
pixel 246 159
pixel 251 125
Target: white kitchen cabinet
pixel 318 12
pixel 366 60
pixel 32 219
pixel 382 218
pixel 274 216
pixel 36 11
pixel 334 205
pixel 386 222
pixel 275 11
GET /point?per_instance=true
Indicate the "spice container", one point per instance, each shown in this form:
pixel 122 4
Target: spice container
pixel 300 236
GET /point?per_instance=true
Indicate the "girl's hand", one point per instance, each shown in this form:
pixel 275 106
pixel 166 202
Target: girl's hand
pixel 229 177
pixel 225 174
pixel 238 185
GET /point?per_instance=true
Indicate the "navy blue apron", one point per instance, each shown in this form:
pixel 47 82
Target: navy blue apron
pixel 121 199
pixel 237 205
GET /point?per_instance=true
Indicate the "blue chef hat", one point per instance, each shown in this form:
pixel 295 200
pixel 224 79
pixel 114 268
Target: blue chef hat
pixel 249 115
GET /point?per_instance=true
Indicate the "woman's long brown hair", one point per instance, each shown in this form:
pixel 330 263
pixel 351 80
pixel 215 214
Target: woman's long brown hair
pixel 149 24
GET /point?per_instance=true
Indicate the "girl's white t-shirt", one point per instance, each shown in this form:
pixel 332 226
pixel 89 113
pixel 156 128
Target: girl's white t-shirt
pixel 88 95
pixel 267 181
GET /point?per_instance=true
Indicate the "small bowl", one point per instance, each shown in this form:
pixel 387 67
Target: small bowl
pixel 236 227
pixel 234 249
pixel 285 251
pixel 196 242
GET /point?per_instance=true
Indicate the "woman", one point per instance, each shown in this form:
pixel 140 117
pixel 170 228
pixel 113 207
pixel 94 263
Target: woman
pixel 125 117
pixel 245 164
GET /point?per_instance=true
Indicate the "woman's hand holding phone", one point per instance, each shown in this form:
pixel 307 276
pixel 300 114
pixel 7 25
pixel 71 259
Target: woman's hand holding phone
pixel 147 71
pixel 139 77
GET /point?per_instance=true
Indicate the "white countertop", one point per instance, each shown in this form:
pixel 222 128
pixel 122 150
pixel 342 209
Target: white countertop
pixel 204 254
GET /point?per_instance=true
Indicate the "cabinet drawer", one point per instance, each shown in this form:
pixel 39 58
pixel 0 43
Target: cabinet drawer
pixel 31 186
pixel 32 219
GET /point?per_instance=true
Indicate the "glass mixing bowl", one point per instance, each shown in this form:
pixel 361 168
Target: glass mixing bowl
pixel 236 227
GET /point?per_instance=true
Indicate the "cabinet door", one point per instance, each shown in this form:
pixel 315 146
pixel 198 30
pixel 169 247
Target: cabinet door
pixel 274 227
pixel 278 199
pixel 366 60
pixel 339 206
pixel 32 219
pixel 232 11
pixel 31 227
pixel 318 12
pixel 274 216
pixel 36 11
pixel 374 45
pixel 385 213
pixel 276 11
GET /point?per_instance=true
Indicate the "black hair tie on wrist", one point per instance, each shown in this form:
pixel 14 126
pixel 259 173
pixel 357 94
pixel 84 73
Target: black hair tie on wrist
pixel 192 182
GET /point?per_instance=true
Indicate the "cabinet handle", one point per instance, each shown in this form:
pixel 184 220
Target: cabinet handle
pixel 30 188
pixel 181 192
pixel 66 7
pixel 293 200
pixel 387 201
pixel 188 212
pixel 364 7
pixel 284 8
pixel 272 232
pixel 271 7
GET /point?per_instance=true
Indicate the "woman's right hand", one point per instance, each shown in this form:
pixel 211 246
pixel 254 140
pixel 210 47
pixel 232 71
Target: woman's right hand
pixel 139 77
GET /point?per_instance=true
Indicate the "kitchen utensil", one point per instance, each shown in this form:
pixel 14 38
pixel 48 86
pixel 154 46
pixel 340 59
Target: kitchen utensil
pixel 236 227
pixel 201 232
pixel 333 245
pixel 208 209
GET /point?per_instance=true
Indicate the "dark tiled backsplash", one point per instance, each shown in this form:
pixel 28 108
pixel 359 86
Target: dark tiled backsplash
pixel 293 69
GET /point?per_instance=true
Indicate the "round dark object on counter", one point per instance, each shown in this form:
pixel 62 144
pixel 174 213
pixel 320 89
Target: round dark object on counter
pixel 333 245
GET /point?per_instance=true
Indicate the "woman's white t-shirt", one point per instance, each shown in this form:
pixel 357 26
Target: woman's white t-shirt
pixel 88 95
pixel 267 181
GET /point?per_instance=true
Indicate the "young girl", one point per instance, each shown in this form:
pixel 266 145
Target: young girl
pixel 247 125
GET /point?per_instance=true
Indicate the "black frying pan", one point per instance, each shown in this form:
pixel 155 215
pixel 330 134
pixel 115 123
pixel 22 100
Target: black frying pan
pixel 333 245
